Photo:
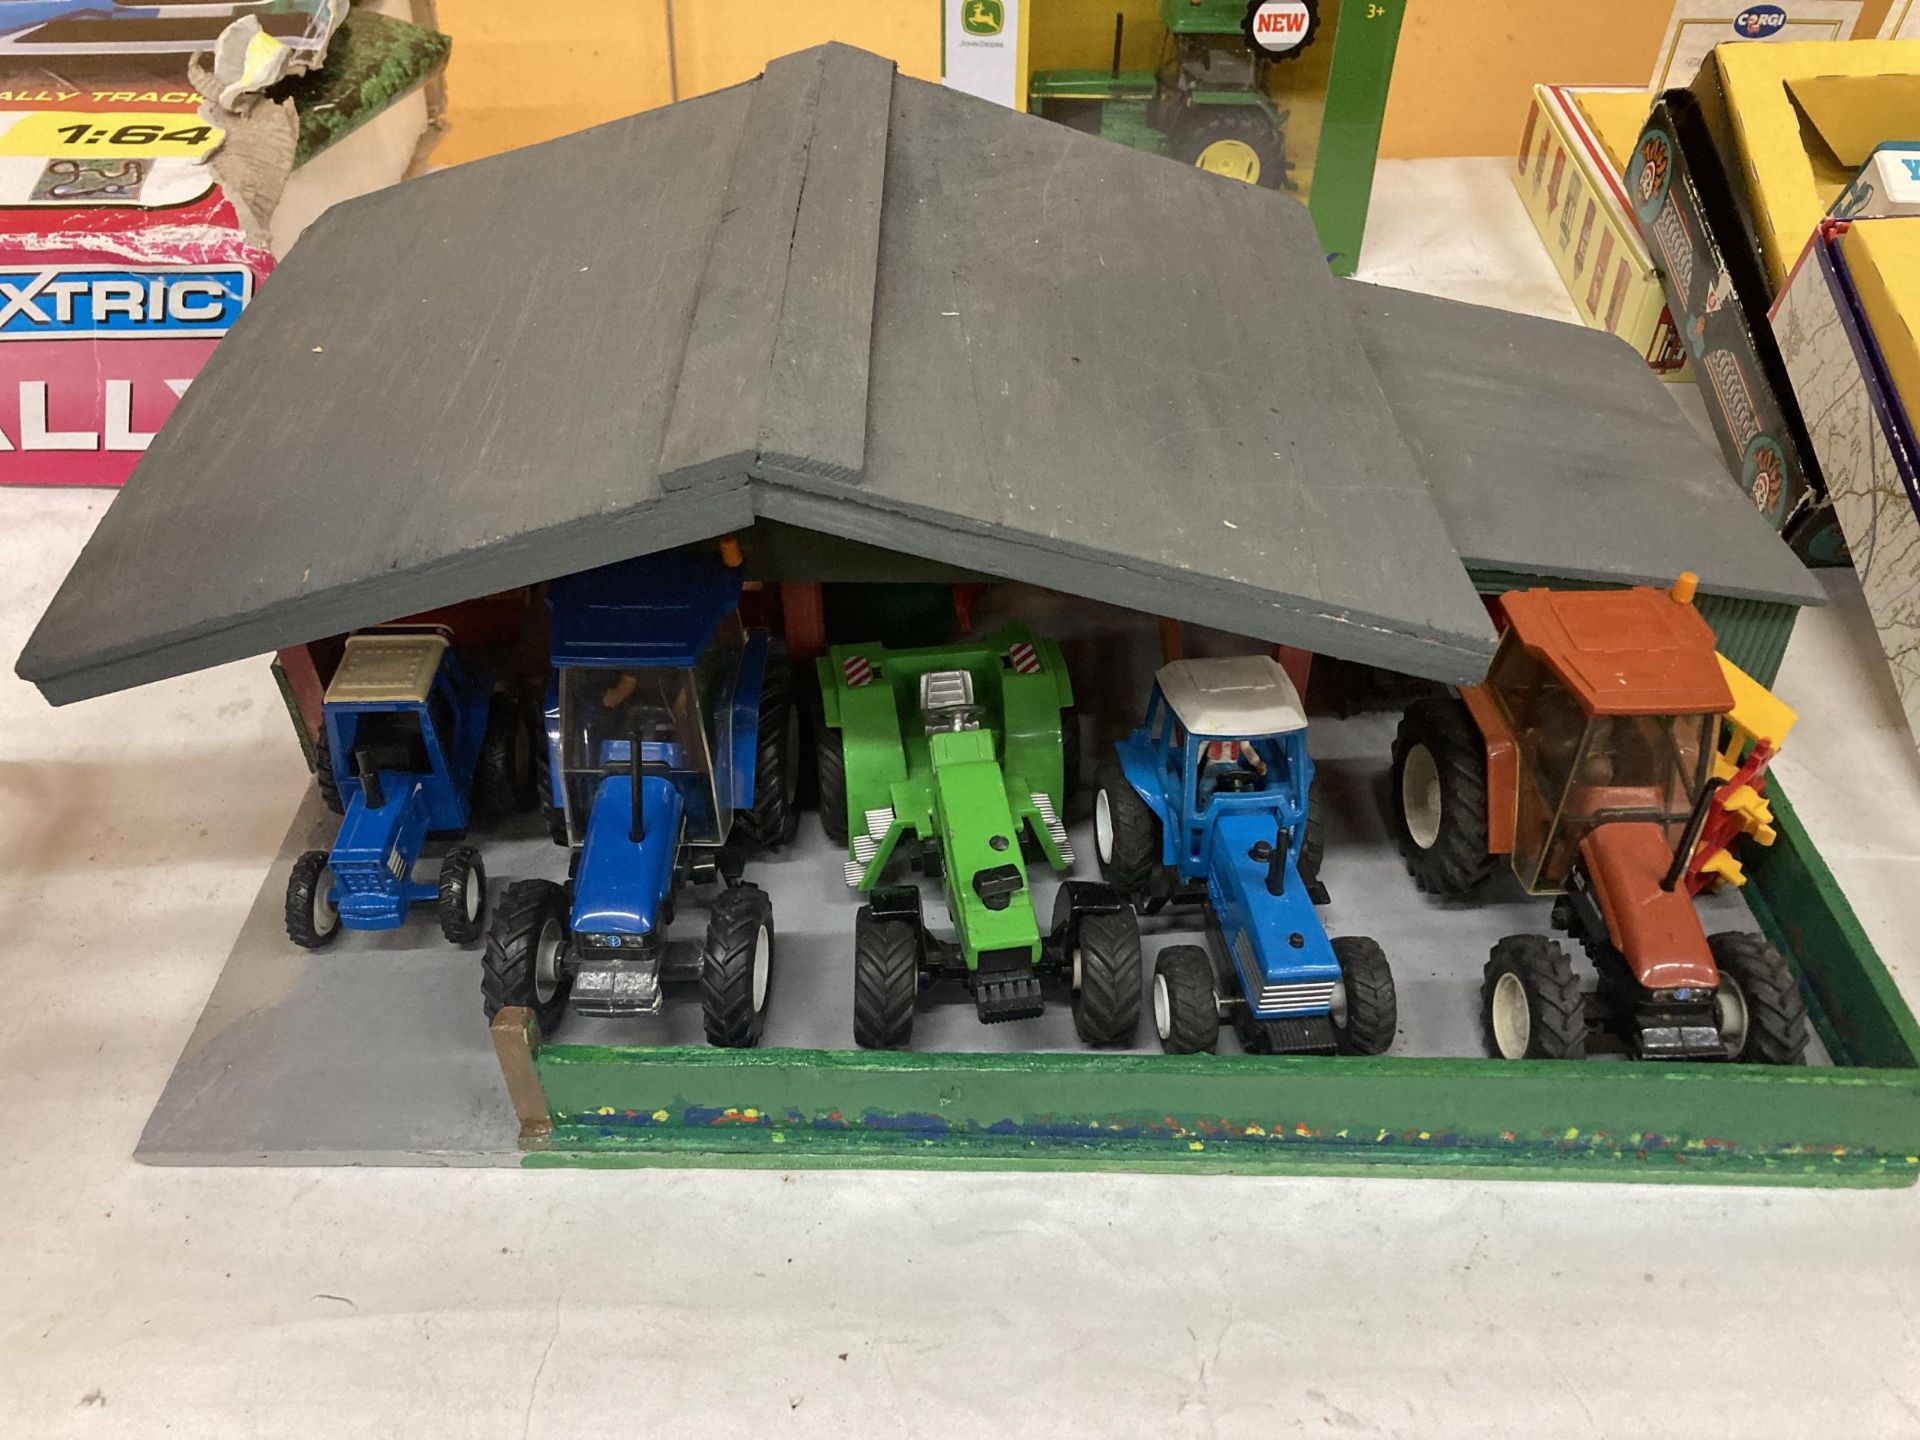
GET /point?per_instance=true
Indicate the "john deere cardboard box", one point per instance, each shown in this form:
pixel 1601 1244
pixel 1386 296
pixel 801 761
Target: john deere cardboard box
pixel 1847 324
pixel 1569 173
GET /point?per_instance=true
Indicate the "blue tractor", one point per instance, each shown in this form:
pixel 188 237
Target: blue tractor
pixel 413 745
pixel 671 736
pixel 1208 803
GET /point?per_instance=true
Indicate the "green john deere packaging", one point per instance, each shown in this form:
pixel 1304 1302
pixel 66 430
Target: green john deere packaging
pixel 1284 94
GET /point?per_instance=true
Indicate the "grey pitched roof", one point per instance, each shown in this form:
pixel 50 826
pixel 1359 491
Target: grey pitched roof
pixel 833 297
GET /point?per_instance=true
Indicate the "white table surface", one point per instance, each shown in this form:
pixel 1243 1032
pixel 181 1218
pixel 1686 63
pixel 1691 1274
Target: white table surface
pixel 134 832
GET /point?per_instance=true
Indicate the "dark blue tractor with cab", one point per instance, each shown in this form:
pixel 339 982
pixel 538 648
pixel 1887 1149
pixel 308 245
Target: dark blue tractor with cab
pixel 413 746
pixel 671 743
pixel 1209 803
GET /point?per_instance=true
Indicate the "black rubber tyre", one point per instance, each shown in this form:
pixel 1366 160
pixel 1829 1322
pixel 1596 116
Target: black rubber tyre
pixel 886 980
pixel 526 945
pixel 1366 1012
pixel 463 895
pixel 736 967
pixel 323 777
pixel 1186 1003
pixel 1070 758
pixel 1773 1018
pixel 503 780
pixel 1126 834
pixel 1531 1007
pixel 554 814
pixel 312 920
pixel 776 767
pixel 1314 847
pixel 1107 974
pixel 830 765
pixel 1208 125
pixel 1439 796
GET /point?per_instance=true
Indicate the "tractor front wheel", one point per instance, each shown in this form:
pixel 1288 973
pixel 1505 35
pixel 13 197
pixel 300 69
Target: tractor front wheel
pixel 503 781
pixel 736 967
pixel 776 768
pixel 1530 1002
pixel 1439 788
pixel 1366 1013
pixel 1186 1003
pixel 463 895
pixel 1126 833
pixel 1763 1020
pixel 313 919
pixel 1106 977
pixel 1240 142
pixel 886 979
pixel 526 958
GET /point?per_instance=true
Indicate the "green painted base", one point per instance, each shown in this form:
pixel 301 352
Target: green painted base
pixel 1854 1124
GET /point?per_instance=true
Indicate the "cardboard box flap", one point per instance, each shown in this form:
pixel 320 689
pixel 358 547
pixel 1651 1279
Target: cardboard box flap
pixel 1883 262
pixel 1854 113
pixel 1616 118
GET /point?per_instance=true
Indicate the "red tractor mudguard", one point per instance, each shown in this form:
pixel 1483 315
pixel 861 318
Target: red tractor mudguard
pixel 1656 930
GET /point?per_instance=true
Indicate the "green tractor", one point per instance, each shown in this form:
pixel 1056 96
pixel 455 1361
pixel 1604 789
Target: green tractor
pixel 961 758
pixel 1208 103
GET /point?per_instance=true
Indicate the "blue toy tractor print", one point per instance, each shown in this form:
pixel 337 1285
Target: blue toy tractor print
pixel 413 745
pixel 669 755
pixel 1209 803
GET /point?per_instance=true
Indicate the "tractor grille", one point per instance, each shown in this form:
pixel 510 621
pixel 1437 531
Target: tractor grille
pixel 368 881
pixel 1301 995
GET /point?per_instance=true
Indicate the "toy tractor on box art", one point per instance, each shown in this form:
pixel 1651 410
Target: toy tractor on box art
pixel 1208 803
pixel 968 753
pixel 670 739
pixel 1208 104
pixel 412 745
pixel 1589 759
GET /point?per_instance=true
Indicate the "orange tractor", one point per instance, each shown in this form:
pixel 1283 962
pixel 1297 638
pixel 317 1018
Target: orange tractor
pixel 1611 757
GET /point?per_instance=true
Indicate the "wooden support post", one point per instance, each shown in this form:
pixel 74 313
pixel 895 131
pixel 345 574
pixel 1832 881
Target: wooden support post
pixel 516 1040
pixel 1173 644
pixel 803 618
pixel 1298 664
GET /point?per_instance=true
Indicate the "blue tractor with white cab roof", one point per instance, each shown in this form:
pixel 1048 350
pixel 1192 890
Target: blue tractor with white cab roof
pixel 413 745
pixel 671 736
pixel 1209 802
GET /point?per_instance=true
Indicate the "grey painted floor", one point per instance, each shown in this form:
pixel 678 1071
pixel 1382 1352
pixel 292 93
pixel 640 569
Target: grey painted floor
pixel 136 832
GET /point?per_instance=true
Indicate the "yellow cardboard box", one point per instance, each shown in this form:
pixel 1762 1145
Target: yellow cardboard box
pixel 1572 154
pixel 1883 258
pixel 1806 116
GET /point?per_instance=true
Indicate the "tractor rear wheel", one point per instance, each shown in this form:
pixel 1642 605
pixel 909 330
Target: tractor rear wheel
pixel 463 895
pixel 1314 847
pixel 323 777
pixel 526 957
pixel 503 781
pixel 1186 1002
pixel 830 764
pixel 736 967
pixel 1366 1013
pixel 313 919
pixel 1126 833
pixel 550 807
pixel 886 980
pixel 776 767
pixel 1763 1020
pixel 1439 787
pixel 1070 760
pixel 1106 977
pixel 1240 142
pixel 1531 1007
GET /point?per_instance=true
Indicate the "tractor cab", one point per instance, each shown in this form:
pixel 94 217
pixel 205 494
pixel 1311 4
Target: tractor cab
pixel 646 658
pixel 1231 738
pixel 401 713
pixel 1613 704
